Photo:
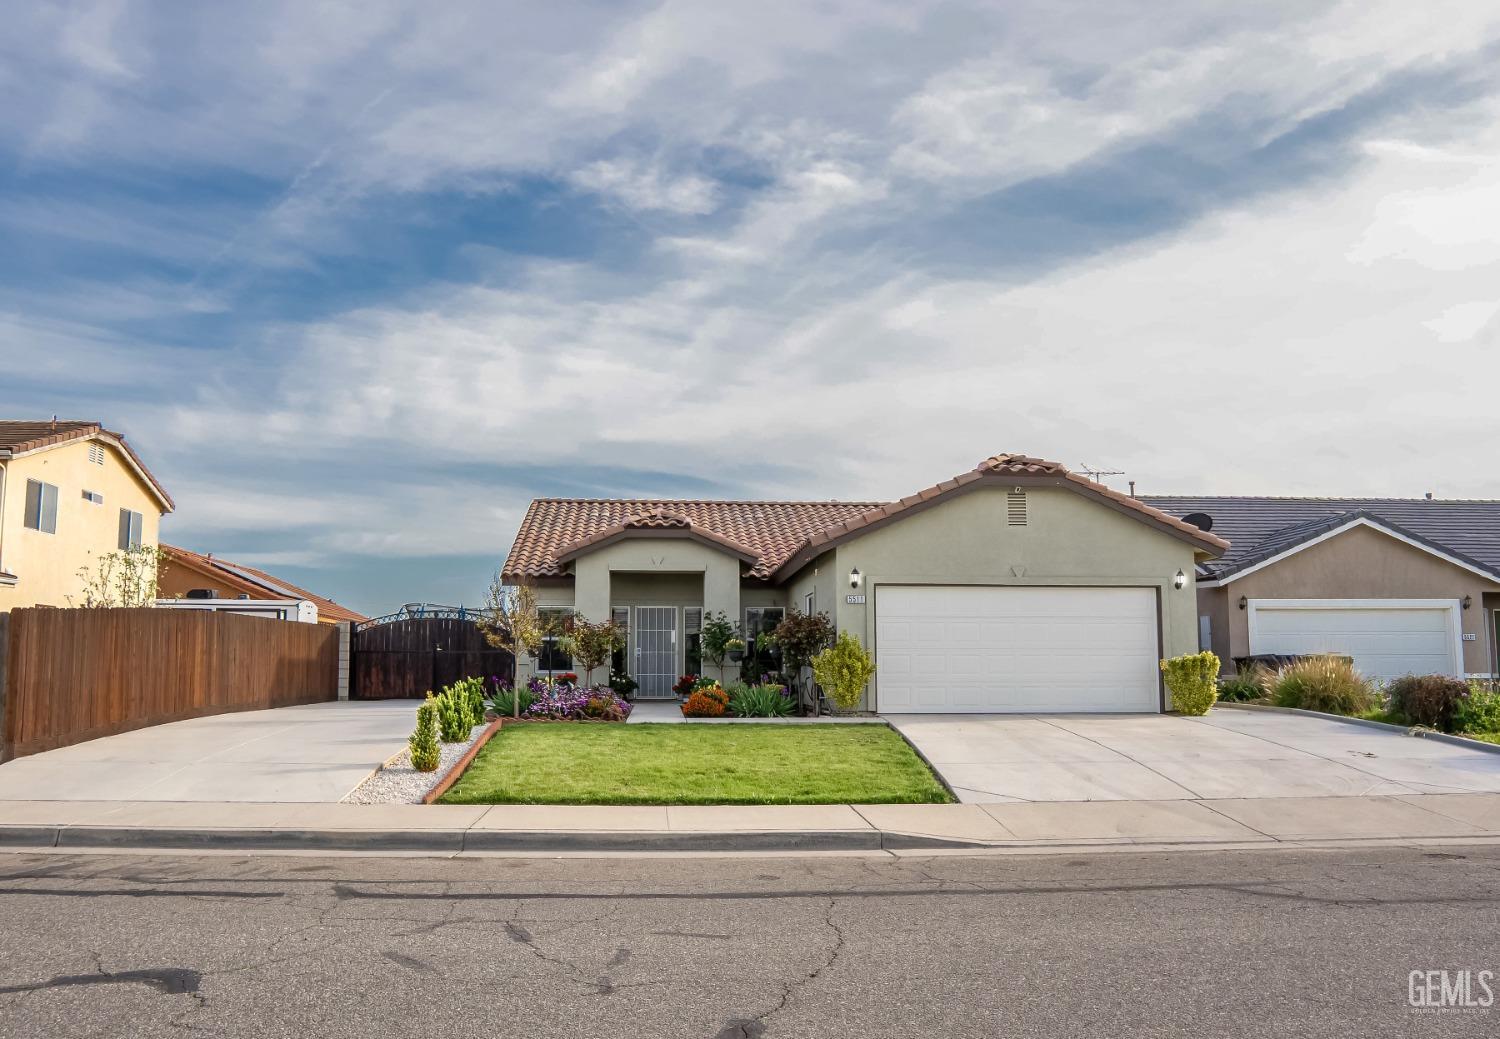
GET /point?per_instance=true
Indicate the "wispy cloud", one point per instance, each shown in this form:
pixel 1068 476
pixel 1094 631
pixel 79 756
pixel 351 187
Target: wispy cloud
pixel 424 263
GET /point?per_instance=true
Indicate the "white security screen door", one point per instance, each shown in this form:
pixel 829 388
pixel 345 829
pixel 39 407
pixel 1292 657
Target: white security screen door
pixel 655 651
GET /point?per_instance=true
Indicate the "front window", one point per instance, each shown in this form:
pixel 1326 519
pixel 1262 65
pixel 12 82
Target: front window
pixel 552 658
pixel 692 640
pixel 761 659
pixel 617 662
pixel 41 506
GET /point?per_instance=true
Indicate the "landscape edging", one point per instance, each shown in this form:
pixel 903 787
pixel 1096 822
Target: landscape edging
pixel 462 763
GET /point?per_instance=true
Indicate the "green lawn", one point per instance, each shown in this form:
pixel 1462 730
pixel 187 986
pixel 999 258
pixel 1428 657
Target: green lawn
pixel 603 764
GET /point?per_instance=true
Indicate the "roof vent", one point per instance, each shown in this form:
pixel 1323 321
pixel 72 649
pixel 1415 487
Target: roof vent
pixel 1202 520
pixel 202 593
pixel 1015 508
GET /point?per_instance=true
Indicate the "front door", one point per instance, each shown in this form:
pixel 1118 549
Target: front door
pixel 655 651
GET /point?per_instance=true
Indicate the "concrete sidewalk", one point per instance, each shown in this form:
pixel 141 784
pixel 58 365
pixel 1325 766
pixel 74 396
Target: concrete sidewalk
pixel 453 829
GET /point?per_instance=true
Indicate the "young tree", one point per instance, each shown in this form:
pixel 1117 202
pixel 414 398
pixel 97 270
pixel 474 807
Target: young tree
pixel 800 636
pixel 511 621
pixel 844 669
pixel 715 636
pixel 126 578
pixel 592 645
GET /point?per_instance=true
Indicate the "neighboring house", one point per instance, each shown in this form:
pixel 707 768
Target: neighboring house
pixel 1402 585
pixel 1017 586
pixel 193 580
pixel 70 492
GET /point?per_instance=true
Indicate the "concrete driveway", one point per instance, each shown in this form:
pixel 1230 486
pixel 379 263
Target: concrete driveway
pixel 991 759
pixel 317 752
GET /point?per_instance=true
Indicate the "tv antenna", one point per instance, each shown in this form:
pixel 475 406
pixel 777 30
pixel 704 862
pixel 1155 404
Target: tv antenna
pixel 1095 474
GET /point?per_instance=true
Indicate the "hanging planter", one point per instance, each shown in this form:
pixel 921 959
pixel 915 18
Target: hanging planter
pixel 735 649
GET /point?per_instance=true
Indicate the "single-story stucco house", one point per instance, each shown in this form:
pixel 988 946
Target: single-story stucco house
pixel 1402 585
pixel 1016 586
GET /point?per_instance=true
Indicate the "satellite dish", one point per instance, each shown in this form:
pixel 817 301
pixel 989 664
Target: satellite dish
pixel 1202 520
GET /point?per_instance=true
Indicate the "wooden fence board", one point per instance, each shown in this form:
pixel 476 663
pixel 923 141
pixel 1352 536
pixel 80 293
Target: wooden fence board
pixel 75 675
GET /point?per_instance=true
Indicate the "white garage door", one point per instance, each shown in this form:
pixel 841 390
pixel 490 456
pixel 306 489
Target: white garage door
pixel 958 649
pixel 1387 638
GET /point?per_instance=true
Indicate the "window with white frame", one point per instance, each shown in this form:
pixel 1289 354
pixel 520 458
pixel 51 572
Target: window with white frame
pixel 692 640
pixel 41 507
pixel 761 621
pixel 130 529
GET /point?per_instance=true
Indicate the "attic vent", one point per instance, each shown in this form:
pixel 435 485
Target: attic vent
pixel 96 454
pixel 1015 508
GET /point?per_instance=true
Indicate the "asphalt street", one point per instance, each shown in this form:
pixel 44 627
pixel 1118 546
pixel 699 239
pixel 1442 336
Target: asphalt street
pixel 1263 943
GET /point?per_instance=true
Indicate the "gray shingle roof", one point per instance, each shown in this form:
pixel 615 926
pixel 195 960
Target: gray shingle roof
pixel 1258 528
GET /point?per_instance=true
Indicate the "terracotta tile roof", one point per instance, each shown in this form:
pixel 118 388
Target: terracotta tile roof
pixel 1260 527
pixel 770 531
pixel 781 536
pixel 18 436
pixel 657 519
pixel 1024 470
pixel 238 577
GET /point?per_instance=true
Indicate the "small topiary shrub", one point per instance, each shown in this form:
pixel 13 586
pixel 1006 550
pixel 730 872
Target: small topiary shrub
pixel 1249 686
pixel 423 743
pixel 1479 711
pixel 1192 680
pixel 453 716
pixel 703 704
pixel 843 670
pixel 1430 700
pixel 473 692
pixel 1324 683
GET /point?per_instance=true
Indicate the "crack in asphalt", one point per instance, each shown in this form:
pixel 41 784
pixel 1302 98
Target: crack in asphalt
pixel 753 1027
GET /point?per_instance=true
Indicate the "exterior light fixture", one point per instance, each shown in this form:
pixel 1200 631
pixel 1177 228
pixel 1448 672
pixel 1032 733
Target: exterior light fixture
pixel 854 578
pixel 1242 602
pixel 1180 581
pixel 1468 601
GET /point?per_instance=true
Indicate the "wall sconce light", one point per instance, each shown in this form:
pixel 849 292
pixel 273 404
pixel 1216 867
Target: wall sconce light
pixel 854 578
pixel 1242 602
pixel 1468 601
pixel 1180 581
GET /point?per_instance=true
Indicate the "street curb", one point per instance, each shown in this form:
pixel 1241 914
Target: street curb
pixel 456 841
pixel 1415 730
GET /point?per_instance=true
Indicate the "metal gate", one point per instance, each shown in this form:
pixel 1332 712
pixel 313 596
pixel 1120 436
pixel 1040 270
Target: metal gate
pixel 419 649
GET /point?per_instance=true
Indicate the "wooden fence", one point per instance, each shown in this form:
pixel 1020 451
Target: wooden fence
pixel 72 675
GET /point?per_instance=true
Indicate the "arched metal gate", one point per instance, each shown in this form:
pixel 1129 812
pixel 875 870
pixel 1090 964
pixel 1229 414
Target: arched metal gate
pixel 421 648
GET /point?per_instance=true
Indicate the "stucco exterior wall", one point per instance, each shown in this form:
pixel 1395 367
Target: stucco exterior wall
pixel 1363 563
pixel 648 571
pixel 1068 540
pixel 1213 603
pixel 46 565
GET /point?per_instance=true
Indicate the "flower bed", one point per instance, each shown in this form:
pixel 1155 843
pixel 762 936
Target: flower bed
pixel 560 700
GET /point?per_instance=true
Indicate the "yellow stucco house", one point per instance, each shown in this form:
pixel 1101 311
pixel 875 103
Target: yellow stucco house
pixel 70 492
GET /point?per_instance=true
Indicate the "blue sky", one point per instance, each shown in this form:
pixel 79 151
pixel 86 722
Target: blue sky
pixel 359 280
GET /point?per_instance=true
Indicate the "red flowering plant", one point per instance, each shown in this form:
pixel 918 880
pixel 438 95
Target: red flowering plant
pixel 685 685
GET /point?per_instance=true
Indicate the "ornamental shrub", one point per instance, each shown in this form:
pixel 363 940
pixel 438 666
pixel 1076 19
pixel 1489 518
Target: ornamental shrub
pixel 1192 678
pixel 702 704
pixel 843 670
pixel 1430 700
pixel 453 716
pixel 605 707
pixel 423 743
pixel 1479 711
pixel 759 701
pixel 470 694
pixel 1249 686
pixel 1322 683
pixel 504 700
pixel 685 685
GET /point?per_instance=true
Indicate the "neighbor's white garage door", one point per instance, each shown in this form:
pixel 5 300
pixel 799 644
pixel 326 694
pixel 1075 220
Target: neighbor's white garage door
pixel 960 649
pixel 1387 638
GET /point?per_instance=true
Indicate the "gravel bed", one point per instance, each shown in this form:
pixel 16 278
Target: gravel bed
pixel 398 783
